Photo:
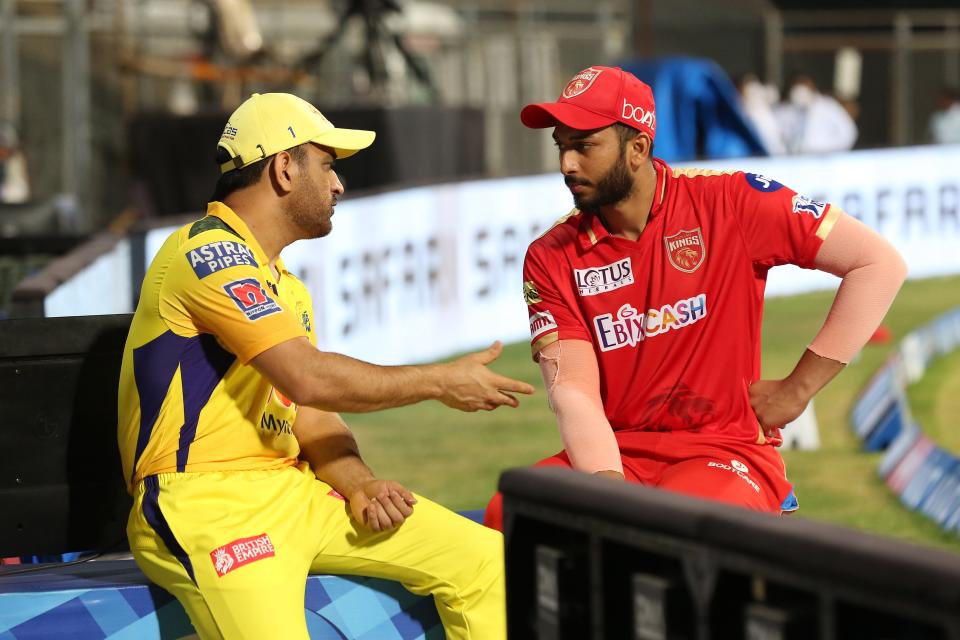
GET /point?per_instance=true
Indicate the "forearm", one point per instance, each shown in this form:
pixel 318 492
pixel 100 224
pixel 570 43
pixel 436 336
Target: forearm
pixel 329 446
pixel 585 431
pixel 811 374
pixel 342 383
pixel 572 378
pixel 333 382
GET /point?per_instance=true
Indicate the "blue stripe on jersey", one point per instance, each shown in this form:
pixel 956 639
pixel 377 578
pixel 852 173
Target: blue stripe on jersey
pixel 154 365
pixel 156 519
pixel 203 363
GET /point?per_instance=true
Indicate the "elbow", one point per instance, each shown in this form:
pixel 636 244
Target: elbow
pixel 899 269
pixel 307 393
pixel 300 391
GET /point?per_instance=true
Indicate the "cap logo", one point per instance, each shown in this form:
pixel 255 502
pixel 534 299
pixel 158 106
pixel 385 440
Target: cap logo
pixel 637 114
pixel 229 132
pixel 581 82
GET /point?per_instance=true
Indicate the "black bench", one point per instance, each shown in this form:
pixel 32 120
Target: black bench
pixel 61 486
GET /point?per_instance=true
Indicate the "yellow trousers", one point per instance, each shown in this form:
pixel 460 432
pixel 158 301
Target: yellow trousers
pixel 235 549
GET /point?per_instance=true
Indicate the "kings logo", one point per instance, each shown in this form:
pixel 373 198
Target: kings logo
pixel 686 250
pixel 581 82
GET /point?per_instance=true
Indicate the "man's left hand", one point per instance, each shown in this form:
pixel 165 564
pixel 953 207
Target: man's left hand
pixel 381 505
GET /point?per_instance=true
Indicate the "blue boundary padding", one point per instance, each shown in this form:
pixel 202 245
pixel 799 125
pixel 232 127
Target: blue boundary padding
pixel 879 393
pixel 926 478
pixel 112 599
pixel 886 429
pixel 943 498
pixel 898 449
pixel 881 417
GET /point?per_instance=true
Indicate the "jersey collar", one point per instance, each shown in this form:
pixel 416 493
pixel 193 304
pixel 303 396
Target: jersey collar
pixel 592 231
pixel 235 222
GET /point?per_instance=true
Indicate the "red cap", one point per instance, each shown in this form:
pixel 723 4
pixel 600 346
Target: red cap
pixel 595 98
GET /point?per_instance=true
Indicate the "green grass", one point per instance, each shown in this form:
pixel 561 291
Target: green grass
pixel 455 458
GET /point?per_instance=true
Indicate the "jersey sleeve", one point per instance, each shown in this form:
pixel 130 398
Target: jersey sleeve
pixel 779 225
pixel 215 286
pixel 549 296
pixel 304 307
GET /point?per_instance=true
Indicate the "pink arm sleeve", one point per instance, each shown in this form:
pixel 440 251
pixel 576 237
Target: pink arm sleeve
pixel 872 272
pixel 572 378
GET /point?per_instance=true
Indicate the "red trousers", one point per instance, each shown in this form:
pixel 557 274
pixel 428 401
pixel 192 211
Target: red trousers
pixel 744 474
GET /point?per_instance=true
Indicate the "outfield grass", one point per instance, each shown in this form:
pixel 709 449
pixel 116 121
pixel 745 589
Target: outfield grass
pixel 455 458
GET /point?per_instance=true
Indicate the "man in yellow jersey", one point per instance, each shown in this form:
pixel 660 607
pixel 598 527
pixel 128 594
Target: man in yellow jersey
pixel 244 479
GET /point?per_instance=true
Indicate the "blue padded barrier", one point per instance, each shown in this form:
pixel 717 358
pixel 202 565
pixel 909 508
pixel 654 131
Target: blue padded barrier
pixel 887 427
pixel 112 599
pixel 924 476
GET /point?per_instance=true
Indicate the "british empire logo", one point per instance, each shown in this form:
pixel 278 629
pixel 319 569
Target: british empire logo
pixel 581 82
pixel 686 250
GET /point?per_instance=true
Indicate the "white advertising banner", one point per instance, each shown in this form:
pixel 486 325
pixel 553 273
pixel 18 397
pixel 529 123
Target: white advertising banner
pixel 100 288
pixel 911 196
pixel 422 273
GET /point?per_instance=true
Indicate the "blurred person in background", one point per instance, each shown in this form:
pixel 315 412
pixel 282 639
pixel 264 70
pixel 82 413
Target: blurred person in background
pixel 944 127
pixel 244 477
pixel 758 101
pixel 14 179
pixel 813 122
pixel 645 305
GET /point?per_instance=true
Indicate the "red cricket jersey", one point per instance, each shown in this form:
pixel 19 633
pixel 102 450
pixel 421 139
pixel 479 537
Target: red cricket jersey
pixel 674 317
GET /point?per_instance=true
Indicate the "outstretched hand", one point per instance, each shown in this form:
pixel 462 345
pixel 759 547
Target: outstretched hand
pixel 467 384
pixel 381 505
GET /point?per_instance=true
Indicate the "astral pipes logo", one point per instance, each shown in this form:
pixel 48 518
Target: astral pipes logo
pixel 738 468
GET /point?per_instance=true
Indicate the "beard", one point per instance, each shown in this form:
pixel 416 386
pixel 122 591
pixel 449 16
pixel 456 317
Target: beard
pixel 311 212
pixel 615 186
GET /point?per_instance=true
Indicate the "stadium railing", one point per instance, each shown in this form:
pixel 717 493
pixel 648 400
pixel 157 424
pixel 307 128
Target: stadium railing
pixel 589 559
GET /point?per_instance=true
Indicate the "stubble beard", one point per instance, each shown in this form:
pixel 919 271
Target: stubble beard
pixel 615 186
pixel 310 212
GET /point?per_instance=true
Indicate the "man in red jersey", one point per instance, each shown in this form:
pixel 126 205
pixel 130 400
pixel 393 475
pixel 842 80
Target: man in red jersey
pixel 646 301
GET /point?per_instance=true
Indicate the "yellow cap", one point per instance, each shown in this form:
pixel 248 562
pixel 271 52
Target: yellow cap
pixel 268 123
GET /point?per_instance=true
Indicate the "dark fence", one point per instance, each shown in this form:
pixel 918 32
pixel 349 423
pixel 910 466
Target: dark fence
pixel 61 487
pixel 172 157
pixel 589 558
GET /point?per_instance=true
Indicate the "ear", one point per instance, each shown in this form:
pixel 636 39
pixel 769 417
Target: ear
pixel 640 149
pixel 283 171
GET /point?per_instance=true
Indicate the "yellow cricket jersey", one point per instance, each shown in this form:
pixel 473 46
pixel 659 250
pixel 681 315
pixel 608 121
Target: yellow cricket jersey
pixel 188 399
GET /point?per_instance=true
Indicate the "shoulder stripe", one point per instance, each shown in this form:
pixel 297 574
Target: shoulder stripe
pixel 695 173
pixel 828 222
pixel 209 223
pixel 573 212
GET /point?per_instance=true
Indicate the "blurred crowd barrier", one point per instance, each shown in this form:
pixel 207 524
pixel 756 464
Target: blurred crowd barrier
pixel 422 273
pixel 590 558
pixel 924 475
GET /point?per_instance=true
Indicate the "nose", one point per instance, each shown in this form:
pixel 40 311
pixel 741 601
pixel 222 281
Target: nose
pixel 568 163
pixel 335 185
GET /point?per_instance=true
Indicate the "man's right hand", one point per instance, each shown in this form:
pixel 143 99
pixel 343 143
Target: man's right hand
pixel 467 384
